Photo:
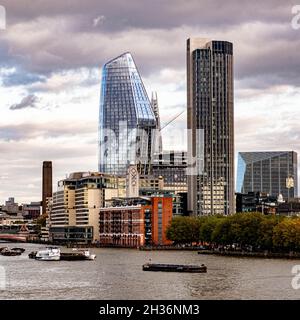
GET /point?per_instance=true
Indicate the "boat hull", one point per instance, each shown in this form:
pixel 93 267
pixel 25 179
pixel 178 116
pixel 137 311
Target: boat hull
pixel 174 268
pixel 40 258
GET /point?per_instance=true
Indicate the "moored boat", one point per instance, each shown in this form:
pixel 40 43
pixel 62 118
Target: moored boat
pixel 18 250
pixel 10 253
pixel 174 268
pixel 32 255
pixel 48 254
pixel 72 256
pixel 86 253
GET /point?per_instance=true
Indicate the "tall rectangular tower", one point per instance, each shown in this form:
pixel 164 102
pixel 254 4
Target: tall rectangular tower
pixel 47 184
pixel 211 126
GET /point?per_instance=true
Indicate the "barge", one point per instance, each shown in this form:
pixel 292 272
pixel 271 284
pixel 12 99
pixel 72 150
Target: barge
pixel 174 268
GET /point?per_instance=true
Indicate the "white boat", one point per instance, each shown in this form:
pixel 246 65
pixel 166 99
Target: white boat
pixel 48 254
pixel 86 253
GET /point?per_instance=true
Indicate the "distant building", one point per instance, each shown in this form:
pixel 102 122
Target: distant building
pixel 31 211
pixel 74 214
pixel 47 184
pixel 210 127
pixel 135 222
pixel 256 202
pixel 171 167
pixel 126 119
pixel 272 173
pixel 246 202
pixel 11 207
pixel 290 208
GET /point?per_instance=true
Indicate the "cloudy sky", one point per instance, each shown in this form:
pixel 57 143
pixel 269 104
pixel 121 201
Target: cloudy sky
pixel 51 56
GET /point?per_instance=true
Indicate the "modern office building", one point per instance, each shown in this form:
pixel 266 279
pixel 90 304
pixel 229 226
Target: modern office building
pixel 127 121
pixel 171 167
pixel 211 127
pixel 74 213
pixel 47 184
pixel 273 173
pixel 135 222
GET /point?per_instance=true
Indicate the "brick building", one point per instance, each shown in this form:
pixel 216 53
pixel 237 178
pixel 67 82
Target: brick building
pixel 135 222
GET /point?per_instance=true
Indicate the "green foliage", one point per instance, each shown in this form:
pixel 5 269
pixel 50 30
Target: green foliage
pixel 286 234
pixel 207 227
pixel 184 230
pixel 244 229
pixel 41 220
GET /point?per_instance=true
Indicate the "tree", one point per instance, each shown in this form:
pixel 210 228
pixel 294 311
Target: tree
pixel 207 227
pixel 184 230
pixel 265 232
pixel 222 232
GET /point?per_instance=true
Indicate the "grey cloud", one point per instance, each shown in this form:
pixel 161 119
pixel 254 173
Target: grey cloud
pixel 59 36
pixel 27 102
pixel 26 131
pixel 21 77
pixel 152 14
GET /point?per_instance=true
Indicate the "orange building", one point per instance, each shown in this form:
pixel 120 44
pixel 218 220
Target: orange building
pixel 135 222
pixel 162 208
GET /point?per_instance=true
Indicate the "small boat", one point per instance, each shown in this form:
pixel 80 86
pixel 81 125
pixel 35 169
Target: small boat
pixel 18 250
pixel 48 254
pixel 174 268
pixel 32 255
pixel 86 253
pixel 10 253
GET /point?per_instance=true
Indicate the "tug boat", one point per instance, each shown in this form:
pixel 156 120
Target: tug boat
pixel 48 254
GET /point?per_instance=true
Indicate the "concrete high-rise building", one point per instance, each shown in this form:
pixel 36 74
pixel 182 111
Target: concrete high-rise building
pixel 74 213
pixel 273 173
pixel 211 127
pixel 47 184
pixel 126 119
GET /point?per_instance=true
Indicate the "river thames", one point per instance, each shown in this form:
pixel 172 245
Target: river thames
pixel 117 274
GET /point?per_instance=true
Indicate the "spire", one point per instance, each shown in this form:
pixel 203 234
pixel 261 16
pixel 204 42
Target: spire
pixel 154 104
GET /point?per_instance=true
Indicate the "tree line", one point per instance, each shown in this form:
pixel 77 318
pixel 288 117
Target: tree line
pixel 262 232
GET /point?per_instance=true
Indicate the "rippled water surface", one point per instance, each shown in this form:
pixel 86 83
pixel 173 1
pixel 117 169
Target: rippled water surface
pixel 117 274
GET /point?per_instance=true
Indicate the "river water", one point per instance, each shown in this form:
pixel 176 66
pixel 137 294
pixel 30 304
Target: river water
pixel 117 274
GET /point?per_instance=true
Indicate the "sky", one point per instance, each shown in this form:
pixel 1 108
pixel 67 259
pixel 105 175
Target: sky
pixel 51 54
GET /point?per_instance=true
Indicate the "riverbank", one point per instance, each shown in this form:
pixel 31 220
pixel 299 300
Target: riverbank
pixel 265 254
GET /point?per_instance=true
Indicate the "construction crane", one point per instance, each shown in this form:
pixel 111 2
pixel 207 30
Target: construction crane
pixel 173 119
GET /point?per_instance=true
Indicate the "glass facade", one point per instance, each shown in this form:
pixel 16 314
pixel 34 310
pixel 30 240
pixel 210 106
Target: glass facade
pixel 273 173
pixel 126 118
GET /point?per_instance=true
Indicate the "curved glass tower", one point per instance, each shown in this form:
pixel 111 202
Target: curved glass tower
pixel 126 118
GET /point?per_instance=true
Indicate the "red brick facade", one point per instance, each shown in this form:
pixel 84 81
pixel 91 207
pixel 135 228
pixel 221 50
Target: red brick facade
pixel 125 226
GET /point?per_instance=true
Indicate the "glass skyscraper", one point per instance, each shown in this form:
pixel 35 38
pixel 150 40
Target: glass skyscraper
pixel 210 125
pixel 126 119
pixel 273 173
